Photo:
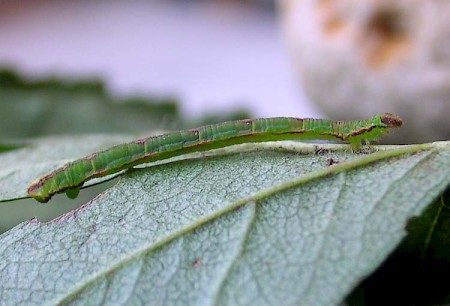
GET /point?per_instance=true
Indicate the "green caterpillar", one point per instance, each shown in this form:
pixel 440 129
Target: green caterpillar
pixel 70 177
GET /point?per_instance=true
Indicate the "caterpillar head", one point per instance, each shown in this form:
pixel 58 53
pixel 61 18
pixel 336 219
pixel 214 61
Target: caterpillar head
pixel 391 120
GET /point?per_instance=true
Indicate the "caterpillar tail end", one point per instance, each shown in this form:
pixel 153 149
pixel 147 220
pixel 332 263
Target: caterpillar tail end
pixel 36 191
pixel 39 191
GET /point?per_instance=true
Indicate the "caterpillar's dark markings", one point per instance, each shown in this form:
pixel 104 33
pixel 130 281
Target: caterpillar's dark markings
pixel 70 177
pixel 321 151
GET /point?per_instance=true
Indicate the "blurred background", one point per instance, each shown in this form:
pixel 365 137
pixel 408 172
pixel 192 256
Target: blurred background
pixel 213 57
pixel 136 65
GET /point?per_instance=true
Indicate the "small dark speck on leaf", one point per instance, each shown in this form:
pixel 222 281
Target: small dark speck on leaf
pixel 331 162
pixel 34 220
pixel 196 263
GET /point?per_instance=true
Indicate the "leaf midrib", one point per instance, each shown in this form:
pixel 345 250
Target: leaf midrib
pixel 254 198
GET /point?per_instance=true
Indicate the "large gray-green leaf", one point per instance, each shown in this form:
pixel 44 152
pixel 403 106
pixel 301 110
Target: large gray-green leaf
pixel 257 228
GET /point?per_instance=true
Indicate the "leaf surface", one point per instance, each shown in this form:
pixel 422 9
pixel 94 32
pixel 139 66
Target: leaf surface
pixel 268 227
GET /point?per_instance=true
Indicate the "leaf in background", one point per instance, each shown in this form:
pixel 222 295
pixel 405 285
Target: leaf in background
pixel 259 228
pixel 51 106
pixel 56 106
pixel 4 147
pixel 43 107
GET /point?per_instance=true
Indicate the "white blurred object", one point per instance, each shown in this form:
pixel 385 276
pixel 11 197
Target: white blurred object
pixel 357 58
pixel 215 56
